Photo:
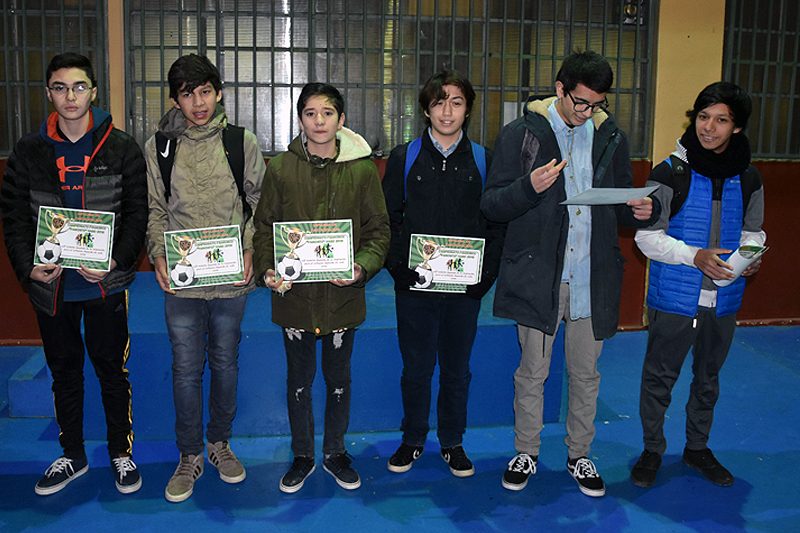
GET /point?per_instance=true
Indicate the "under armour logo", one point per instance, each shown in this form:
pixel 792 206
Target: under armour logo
pixel 165 153
pixel 64 168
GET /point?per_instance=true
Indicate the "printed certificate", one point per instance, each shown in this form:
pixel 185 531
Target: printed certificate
pixel 74 237
pixel 445 263
pixel 315 250
pixel 203 257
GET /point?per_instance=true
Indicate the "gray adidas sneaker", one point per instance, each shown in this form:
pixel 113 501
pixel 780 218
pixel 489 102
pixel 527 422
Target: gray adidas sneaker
pixel 181 484
pixel 230 468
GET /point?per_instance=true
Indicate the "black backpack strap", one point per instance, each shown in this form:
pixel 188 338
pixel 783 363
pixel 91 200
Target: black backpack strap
pixel 165 152
pixel 680 183
pixel 233 140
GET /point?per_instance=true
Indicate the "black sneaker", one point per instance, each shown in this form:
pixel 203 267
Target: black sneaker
pixel 59 474
pixel 704 462
pixel 520 468
pixel 293 480
pixel 403 459
pixel 126 474
pixel 585 473
pixel 456 458
pixel 338 465
pixel 644 471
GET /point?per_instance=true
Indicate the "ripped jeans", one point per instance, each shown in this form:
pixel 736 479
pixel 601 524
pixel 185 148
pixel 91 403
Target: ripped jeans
pixel 301 362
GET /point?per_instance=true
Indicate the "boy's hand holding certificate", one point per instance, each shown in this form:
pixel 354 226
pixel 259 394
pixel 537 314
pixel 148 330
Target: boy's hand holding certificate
pixel 743 257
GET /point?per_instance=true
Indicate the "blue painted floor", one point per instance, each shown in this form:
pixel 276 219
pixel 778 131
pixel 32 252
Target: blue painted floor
pixel 756 435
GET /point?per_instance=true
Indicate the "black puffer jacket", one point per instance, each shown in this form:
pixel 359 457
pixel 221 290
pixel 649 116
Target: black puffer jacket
pixel 533 255
pixel 115 181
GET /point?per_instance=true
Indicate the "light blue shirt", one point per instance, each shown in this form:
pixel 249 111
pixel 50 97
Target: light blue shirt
pixel 576 147
pixel 445 151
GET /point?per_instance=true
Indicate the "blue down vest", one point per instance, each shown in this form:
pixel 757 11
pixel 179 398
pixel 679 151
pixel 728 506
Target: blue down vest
pixel 676 288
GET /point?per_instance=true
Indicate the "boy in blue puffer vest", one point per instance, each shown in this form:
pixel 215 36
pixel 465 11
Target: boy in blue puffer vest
pixel 712 201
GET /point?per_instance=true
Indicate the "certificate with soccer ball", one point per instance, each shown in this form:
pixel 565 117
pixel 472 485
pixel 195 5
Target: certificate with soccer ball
pixel 316 250
pixel 74 237
pixel 204 256
pixel 445 263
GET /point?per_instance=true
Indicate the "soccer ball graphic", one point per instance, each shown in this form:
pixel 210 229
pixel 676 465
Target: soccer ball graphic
pixel 425 277
pixel 182 275
pixel 48 251
pixel 290 268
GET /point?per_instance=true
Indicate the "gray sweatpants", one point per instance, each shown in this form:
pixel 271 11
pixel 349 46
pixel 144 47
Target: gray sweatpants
pixel 669 339
pixel 582 351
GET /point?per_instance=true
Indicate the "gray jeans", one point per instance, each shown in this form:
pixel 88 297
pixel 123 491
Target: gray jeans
pixel 582 351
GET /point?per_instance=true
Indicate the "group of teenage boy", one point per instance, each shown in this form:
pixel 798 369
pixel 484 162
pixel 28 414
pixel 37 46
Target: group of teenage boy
pixel 553 263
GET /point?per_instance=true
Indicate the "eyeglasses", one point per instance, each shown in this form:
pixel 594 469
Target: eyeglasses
pixel 582 107
pixel 78 89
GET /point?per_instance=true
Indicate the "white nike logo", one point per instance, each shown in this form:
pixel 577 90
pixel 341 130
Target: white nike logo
pixel 165 153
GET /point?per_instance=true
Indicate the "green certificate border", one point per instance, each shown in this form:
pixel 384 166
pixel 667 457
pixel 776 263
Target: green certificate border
pixel 448 243
pixel 227 236
pixel 313 242
pixel 69 242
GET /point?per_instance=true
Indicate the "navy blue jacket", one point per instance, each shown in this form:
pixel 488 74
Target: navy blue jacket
pixel 533 254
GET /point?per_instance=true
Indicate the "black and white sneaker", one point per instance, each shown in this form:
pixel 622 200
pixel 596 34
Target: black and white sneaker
pixel 585 473
pixel 293 480
pixel 403 459
pixel 520 468
pixel 127 475
pixel 338 465
pixel 456 458
pixel 59 474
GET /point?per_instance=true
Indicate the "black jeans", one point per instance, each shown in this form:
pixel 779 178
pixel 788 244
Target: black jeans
pixel 431 326
pixel 301 362
pixel 108 345
pixel 669 339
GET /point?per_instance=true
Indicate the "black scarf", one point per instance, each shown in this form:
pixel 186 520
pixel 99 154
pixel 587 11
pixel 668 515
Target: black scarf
pixel 732 162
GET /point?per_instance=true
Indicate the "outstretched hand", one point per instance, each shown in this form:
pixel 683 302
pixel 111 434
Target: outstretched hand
pixel 642 208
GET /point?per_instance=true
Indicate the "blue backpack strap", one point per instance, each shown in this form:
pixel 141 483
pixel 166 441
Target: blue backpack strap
pixel 412 152
pixel 479 155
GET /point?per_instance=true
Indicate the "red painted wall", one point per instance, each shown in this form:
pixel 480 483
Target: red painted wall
pixel 772 297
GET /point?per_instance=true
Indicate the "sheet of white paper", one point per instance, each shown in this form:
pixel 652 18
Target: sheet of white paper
pixel 609 196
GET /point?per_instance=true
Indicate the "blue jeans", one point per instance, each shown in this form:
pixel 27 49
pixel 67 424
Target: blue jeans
pixel 197 326
pixel 433 327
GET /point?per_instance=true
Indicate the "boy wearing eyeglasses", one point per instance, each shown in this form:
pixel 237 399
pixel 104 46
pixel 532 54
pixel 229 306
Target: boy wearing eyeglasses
pixel 561 262
pixel 78 160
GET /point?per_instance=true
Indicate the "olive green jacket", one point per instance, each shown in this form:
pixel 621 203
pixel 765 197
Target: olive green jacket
pixel 297 190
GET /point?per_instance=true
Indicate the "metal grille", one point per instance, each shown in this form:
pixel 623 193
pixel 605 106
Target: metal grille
pixel 762 51
pixel 33 31
pixel 379 53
